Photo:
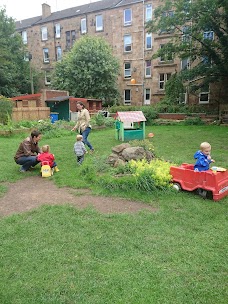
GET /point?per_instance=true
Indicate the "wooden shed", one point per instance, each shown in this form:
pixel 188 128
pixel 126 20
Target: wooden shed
pixel 130 125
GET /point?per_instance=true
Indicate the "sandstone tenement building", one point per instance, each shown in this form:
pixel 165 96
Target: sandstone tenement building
pixel 122 23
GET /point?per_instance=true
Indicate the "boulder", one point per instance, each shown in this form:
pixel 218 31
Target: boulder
pixel 133 153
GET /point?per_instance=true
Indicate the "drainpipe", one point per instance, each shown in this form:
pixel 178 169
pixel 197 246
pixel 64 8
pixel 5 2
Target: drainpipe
pixel 143 54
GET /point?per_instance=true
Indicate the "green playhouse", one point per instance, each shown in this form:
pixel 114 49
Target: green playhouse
pixel 130 125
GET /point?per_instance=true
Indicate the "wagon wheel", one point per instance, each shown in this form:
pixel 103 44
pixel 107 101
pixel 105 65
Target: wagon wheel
pixel 177 186
pixel 202 192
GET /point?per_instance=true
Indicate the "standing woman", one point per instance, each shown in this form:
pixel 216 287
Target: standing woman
pixel 83 124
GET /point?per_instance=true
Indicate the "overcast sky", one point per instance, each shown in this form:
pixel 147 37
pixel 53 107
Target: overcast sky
pixel 23 9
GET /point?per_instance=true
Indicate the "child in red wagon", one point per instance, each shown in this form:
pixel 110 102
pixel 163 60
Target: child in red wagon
pixel 203 157
pixel 48 157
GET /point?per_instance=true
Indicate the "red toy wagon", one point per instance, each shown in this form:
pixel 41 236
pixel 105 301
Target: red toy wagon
pixel 207 183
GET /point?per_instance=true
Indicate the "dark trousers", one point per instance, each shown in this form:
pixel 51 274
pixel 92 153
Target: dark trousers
pixel 80 159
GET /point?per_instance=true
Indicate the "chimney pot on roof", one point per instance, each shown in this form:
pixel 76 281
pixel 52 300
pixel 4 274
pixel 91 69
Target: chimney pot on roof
pixel 46 10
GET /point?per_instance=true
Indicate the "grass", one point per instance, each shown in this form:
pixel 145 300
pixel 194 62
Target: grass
pixel 59 254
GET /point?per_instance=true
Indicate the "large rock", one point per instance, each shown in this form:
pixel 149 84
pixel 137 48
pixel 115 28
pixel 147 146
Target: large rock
pixel 112 158
pixel 118 149
pixel 133 153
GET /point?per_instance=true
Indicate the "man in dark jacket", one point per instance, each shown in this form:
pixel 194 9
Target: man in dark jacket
pixel 26 155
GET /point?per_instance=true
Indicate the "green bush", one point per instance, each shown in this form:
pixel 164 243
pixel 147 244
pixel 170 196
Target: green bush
pixel 6 108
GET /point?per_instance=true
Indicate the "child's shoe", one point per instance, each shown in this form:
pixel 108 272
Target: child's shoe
pixel 56 169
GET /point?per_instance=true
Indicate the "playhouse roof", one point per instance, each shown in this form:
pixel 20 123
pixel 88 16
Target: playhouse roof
pixel 130 116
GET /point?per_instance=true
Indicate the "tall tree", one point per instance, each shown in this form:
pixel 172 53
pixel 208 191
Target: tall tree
pixel 198 32
pixel 88 70
pixel 14 70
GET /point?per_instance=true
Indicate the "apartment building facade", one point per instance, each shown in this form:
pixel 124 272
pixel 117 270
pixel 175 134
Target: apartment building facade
pixel 122 23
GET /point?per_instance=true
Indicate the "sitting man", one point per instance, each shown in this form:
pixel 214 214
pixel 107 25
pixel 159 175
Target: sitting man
pixel 26 155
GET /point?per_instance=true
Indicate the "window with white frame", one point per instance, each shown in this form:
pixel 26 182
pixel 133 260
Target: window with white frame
pixel 46 55
pixel 127 97
pixel 26 56
pixel 167 55
pixel 83 26
pixel 148 68
pixel 127 43
pixel 57 30
pixel 185 64
pixel 127 16
pixel 24 37
pixel 148 12
pixel 147 96
pixel 148 41
pixel 58 53
pixel 47 76
pixel 204 95
pixel 127 70
pixel 186 37
pixel 44 33
pixel 163 78
pixel 99 23
pixel 208 35
pixel 183 98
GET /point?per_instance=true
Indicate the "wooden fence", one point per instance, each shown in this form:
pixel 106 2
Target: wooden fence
pixel 38 113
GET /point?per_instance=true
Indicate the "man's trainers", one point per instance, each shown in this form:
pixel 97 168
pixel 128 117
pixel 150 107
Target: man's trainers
pixel 22 170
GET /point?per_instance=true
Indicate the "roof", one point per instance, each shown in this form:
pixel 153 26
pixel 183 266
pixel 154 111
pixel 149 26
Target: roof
pixel 27 97
pixel 58 98
pixel 130 116
pixel 74 11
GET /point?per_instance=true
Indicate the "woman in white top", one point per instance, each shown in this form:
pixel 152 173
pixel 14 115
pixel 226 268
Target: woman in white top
pixel 83 124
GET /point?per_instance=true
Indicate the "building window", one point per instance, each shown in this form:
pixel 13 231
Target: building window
pixel 183 98
pixel 185 64
pixel 186 38
pixel 147 96
pixel 127 17
pixel 167 55
pixel 57 30
pixel 44 33
pixel 47 78
pixel 148 41
pixel 148 68
pixel 148 12
pixel 208 35
pixel 58 53
pixel 127 70
pixel 163 78
pixel 27 56
pixel 127 97
pixel 204 95
pixel 70 38
pixel 83 26
pixel 170 29
pixel 99 23
pixel 24 37
pixel 46 55
pixel 127 43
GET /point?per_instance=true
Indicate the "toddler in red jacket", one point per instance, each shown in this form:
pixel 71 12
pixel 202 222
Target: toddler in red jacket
pixel 48 157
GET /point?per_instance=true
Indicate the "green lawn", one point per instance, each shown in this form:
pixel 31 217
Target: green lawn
pixel 58 254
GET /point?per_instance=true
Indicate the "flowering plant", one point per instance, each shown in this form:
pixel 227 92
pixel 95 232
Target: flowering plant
pixel 152 175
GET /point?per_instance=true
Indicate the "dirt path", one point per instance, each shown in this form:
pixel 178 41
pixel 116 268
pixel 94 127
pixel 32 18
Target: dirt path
pixel 32 192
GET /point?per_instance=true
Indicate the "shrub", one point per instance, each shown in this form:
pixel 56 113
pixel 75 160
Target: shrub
pixel 152 175
pixel 6 108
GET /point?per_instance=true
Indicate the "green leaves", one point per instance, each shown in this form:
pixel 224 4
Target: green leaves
pixel 88 70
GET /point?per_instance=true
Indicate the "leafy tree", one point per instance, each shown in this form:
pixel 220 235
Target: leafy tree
pixel 198 31
pixel 88 70
pixel 6 108
pixel 14 70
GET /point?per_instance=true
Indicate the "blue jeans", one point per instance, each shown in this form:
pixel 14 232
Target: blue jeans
pixel 27 161
pixel 85 134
